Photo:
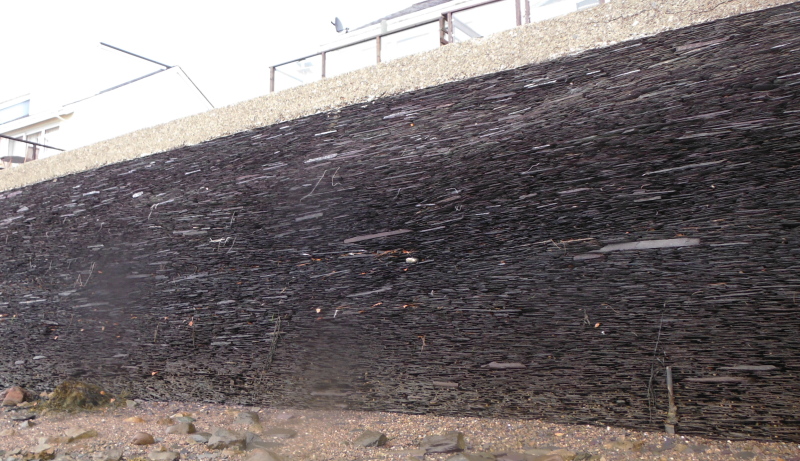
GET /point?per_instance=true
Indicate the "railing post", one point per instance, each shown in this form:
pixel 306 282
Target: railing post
pixel 442 30
pixel 528 11
pixel 450 28
pixel 378 48
pixel 518 8
pixel 324 55
pixel 271 79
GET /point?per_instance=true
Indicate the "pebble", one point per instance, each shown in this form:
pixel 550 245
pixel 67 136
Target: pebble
pixel 143 438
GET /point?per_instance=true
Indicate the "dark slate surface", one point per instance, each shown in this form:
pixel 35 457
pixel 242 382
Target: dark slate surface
pixel 270 266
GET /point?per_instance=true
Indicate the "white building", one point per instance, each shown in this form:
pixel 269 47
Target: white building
pixel 154 98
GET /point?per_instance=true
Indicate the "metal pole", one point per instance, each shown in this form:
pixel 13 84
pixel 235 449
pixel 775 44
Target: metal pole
pixel 136 55
pixel 378 48
pixel 324 55
pixel 518 8
pixel 271 79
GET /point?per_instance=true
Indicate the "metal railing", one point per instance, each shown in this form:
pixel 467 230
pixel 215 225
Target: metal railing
pixel 448 24
pixel 30 155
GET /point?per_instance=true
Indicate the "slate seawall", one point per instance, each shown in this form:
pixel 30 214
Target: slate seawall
pixel 540 243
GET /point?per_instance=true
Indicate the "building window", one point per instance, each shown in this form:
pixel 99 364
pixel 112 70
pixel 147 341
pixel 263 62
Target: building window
pixel 16 111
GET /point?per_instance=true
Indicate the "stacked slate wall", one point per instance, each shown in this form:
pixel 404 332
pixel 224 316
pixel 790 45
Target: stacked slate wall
pixel 537 243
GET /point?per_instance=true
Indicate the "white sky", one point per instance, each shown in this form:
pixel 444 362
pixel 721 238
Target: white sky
pixel 50 48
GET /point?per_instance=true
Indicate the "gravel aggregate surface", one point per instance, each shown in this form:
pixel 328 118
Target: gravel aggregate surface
pixel 328 435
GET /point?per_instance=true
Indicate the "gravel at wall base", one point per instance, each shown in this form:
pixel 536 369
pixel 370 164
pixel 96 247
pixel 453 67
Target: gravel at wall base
pixel 330 435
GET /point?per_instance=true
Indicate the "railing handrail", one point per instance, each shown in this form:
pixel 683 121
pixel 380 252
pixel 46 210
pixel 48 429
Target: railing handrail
pixel 368 39
pixel 379 35
pixel 445 20
pixel 30 142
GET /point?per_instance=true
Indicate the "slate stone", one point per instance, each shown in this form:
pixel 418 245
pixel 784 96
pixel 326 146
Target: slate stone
pixel 280 433
pixel 472 457
pixel 57 440
pixel 514 456
pixel 200 437
pixel 260 454
pixel 247 417
pixel 445 443
pixel 164 455
pixel 223 438
pixel 108 455
pixel 80 433
pixel 182 428
pixel 371 439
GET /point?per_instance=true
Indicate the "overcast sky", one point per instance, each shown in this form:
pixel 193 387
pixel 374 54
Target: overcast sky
pixel 50 48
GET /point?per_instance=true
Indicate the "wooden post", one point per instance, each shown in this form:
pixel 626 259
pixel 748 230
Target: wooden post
pixel 442 30
pixel 271 79
pixel 672 419
pixel 324 54
pixel 518 8
pixel 378 48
